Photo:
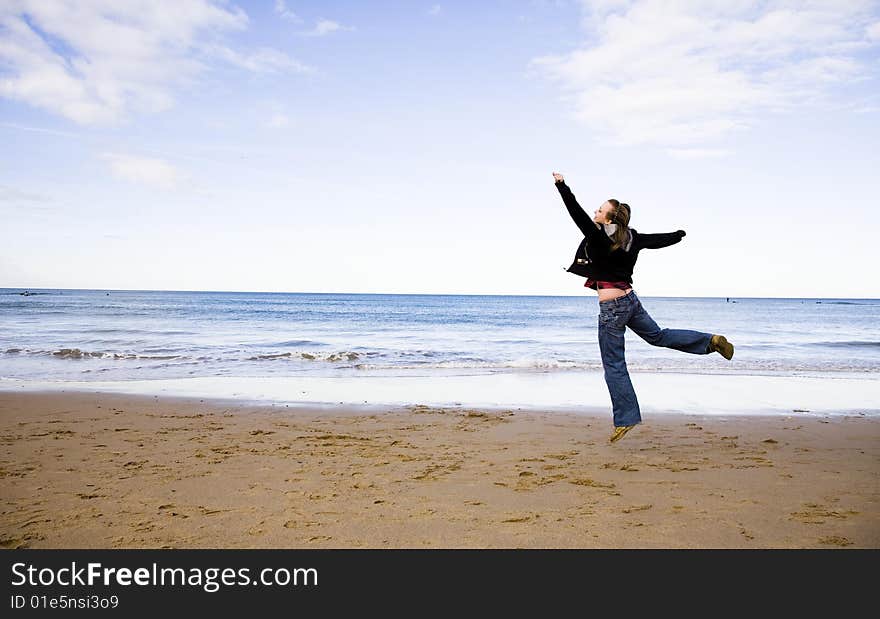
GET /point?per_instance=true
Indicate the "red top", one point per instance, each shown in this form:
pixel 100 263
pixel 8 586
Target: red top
pixel 596 285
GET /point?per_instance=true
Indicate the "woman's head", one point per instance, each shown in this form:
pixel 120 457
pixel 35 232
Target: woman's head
pixel 614 212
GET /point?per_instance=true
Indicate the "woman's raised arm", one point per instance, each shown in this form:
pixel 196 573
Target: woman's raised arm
pixel 580 217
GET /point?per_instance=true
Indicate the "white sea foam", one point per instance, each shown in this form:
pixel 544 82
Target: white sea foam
pixel 658 393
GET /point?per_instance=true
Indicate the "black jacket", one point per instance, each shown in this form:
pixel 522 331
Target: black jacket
pixel 594 258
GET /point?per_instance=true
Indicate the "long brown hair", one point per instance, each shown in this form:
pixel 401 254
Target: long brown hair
pixel 619 216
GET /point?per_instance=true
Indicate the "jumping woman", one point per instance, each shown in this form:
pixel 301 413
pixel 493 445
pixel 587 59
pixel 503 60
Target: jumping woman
pixel 606 257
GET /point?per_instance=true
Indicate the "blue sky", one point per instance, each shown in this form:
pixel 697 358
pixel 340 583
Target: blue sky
pixel 407 147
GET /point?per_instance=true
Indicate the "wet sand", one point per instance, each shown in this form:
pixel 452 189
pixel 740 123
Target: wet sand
pixel 96 470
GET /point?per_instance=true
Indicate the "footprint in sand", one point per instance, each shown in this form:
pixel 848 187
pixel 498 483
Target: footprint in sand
pixel 12 542
pixel 591 483
pixel 171 510
pixel 210 512
pixel 524 518
pixel 562 456
pixel 320 538
pixel 817 514
pixel 20 542
pixel 624 467
pixel 144 526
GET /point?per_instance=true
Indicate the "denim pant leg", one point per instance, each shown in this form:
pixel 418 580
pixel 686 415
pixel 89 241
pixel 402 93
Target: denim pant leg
pixel 612 326
pixel 695 342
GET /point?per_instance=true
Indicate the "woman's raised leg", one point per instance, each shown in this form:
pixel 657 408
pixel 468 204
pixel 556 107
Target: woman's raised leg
pixel 685 340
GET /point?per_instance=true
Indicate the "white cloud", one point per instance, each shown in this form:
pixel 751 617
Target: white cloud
pixel 687 72
pixel 18 127
pixel 285 13
pixel 434 10
pixel 263 60
pixel 278 121
pixel 697 153
pixel 873 31
pixel 324 27
pixel 98 61
pixel 11 194
pixel 144 170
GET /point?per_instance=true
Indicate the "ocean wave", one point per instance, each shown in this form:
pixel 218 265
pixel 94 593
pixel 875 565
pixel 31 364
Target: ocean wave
pixel 385 359
pixel 147 331
pixel 275 356
pixel 296 343
pixel 331 357
pixel 154 349
pixel 645 365
pixel 846 344
pixel 482 364
pixel 76 353
pixel 793 346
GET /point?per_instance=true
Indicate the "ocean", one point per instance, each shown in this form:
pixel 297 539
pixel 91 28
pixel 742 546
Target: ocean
pixel 101 337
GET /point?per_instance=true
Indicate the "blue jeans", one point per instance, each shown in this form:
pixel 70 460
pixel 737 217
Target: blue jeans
pixel 614 317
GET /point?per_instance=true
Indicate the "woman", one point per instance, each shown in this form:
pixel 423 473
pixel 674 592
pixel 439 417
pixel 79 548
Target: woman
pixel 606 257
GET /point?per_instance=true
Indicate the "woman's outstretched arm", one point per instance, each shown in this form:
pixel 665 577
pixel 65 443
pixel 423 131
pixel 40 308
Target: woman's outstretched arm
pixel 580 217
pixel 663 239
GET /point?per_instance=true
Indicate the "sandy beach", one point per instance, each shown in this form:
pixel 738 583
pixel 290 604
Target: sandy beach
pixel 98 470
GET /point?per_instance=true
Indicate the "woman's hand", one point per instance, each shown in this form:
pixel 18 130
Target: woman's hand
pixel 558 177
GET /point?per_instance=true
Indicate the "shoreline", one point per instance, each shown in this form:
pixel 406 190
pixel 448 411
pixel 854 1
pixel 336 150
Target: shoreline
pixel 659 393
pixel 354 409
pixel 105 470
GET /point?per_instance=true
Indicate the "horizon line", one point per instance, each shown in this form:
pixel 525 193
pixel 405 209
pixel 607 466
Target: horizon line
pixel 423 294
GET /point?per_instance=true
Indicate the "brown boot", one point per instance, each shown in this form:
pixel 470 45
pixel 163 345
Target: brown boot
pixel 719 344
pixel 619 431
